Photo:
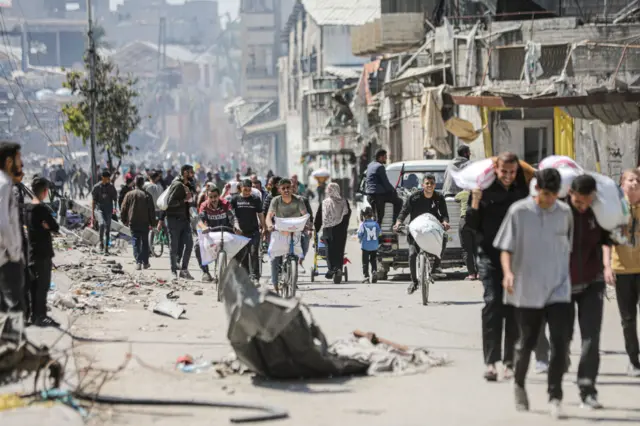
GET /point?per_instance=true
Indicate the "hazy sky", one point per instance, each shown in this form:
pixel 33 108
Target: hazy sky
pixel 224 6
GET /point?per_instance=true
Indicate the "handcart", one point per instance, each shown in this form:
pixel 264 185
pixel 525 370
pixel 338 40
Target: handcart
pixel 320 253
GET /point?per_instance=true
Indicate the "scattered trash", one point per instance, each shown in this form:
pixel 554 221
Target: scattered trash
pixel 52 286
pixel 169 308
pixel 194 368
pixel 198 292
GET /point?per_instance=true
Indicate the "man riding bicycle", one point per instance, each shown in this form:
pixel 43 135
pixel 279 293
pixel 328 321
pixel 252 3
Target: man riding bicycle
pixel 427 201
pixel 214 212
pixel 247 208
pixel 285 205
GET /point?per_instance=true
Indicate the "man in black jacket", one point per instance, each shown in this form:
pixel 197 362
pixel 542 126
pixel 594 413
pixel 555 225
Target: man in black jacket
pixel 427 201
pixel 139 214
pixel 379 189
pixel 179 224
pixel 486 211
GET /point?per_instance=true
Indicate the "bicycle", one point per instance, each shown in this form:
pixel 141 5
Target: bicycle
pixel 158 239
pixel 221 258
pixel 423 271
pixel 288 279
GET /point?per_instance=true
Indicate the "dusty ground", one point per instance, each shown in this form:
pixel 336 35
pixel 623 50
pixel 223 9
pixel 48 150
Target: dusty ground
pixel 450 325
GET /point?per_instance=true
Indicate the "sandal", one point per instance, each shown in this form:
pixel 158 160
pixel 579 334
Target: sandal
pixel 491 375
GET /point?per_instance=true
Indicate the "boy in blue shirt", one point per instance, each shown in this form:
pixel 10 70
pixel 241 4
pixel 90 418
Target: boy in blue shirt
pixel 368 234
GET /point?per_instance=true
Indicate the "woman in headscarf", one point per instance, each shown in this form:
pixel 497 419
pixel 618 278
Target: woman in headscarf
pixel 333 216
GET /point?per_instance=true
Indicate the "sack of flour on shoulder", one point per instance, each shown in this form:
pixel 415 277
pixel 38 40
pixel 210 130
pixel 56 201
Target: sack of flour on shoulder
pixel 479 174
pixel 567 168
pixel 610 207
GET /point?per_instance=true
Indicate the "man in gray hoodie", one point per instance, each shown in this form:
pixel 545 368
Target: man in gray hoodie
pixel 449 188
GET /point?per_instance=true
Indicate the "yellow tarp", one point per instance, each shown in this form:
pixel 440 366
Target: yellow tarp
pixel 563 138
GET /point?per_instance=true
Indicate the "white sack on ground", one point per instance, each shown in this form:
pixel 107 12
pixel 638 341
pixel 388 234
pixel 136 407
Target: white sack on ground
pixel 610 207
pixel 428 233
pixel 479 174
pixel 210 245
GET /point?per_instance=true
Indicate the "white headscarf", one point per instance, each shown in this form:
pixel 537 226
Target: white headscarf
pixel 334 207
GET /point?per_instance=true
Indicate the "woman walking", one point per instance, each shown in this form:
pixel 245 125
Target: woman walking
pixel 333 216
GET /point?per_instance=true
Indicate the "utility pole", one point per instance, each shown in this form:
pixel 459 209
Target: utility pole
pixel 92 81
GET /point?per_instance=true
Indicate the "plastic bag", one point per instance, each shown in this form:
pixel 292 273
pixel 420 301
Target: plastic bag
pixel 479 174
pixel 163 200
pixel 210 245
pixel 567 175
pixel 428 233
pixel 609 206
pixel 279 244
pixel 291 224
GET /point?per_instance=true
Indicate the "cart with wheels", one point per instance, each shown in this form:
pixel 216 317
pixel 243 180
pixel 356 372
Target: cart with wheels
pixel 320 255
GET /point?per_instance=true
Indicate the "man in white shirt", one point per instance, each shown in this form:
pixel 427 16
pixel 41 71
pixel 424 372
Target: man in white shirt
pixel 11 253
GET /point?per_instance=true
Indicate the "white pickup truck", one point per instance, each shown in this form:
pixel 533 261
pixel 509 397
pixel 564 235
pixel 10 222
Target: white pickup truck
pixel 407 177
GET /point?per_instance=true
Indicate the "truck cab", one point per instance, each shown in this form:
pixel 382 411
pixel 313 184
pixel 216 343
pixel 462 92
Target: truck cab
pixel 407 177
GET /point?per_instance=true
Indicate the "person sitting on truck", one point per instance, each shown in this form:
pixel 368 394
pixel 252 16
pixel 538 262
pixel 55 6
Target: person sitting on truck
pixel 378 188
pixel 449 188
pixel 427 201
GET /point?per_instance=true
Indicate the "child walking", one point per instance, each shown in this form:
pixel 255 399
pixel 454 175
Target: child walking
pixel 41 224
pixel 368 234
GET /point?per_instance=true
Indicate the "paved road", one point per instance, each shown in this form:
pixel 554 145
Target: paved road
pixel 455 394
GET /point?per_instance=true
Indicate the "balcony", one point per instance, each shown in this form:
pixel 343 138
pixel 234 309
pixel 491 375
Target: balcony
pixel 391 33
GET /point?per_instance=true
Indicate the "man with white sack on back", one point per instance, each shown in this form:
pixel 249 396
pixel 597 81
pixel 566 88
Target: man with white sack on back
pixel 427 201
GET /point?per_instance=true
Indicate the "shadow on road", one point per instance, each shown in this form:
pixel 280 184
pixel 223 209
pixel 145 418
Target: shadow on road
pixel 322 305
pixel 459 303
pixel 326 288
pixel 319 386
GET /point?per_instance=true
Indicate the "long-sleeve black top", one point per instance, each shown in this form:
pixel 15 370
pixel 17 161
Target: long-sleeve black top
pixel 417 204
pixel 40 241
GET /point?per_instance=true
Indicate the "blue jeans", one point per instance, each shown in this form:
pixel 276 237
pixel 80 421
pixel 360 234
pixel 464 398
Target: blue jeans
pixel 140 241
pixel 181 242
pixel 275 268
pixel 104 218
pixel 304 242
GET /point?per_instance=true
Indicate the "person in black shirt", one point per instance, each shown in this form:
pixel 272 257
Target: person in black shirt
pixel 247 209
pixel 104 197
pixel 427 201
pixel 40 225
pixel 487 208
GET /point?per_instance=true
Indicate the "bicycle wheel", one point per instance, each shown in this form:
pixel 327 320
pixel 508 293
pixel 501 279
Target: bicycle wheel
pixel 156 243
pixel 290 278
pixel 424 276
pixel 222 265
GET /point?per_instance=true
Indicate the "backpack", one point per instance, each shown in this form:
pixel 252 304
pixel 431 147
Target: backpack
pixel 164 200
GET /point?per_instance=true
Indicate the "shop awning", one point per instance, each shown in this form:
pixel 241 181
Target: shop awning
pixel 412 74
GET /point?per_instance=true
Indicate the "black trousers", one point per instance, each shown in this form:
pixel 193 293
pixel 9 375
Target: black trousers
pixel 12 287
pixel 414 249
pixel 39 286
pixel 469 246
pixel 496 316
pixel 249 255
pixel 530 322
pixel 628 295
pixel 590 304
pixel 335 249
pixel 369 258
pixel 378 202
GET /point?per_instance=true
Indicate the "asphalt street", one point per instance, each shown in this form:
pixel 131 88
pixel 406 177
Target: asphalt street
pixel 450 325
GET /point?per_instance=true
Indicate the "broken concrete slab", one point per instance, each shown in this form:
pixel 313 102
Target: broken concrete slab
pixel 169 308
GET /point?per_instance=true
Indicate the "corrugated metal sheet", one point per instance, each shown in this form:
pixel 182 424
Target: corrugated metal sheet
pixel 341 12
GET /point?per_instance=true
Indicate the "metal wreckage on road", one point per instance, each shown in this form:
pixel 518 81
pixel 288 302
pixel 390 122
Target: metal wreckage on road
pixel 277 338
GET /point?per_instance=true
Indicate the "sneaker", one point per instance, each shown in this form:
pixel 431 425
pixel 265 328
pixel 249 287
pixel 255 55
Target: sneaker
pixel 146 266
pixel 374 277
pixel 521 398
pixel 508 373
pixel 490 374
pixel 206 277
pixel 302 268
pixel 412 288
pixel 138 267
pixel 633 371
pixel 591 402
pixel 366 280
pixel 174 276
pixel 186 275
pixel 542 367
pixel 555 409
pixel 45 322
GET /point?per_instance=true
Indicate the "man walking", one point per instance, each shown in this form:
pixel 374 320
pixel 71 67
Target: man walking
pixel 139 214
pixel 379 189
pixel 153 186
pixel 12 291
pixel 427 201
pixel 535 240
pixel 179 224
pixel 590 263
pixel 449 187
pixel 104 197
pixel 247 208
pixel 484 215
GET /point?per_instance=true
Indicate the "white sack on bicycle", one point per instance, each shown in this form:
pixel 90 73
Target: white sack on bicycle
pixel 280 237
pixel 428 233
pixel 210 245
